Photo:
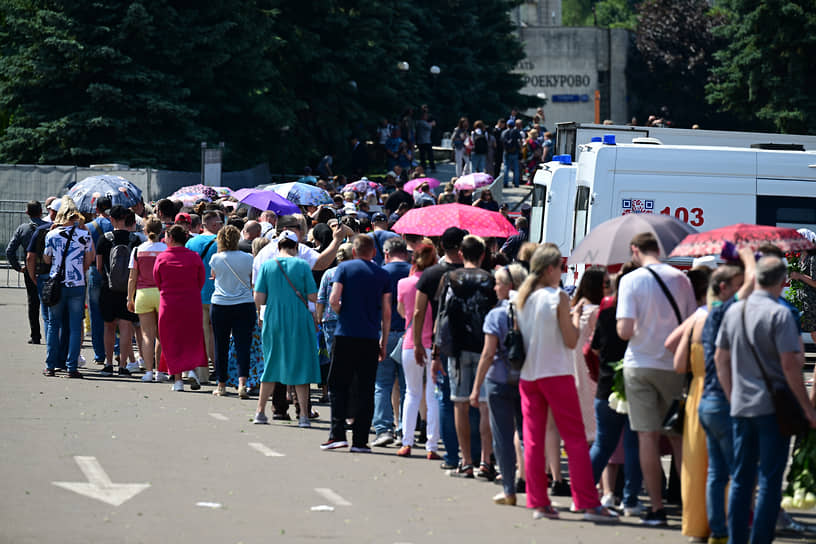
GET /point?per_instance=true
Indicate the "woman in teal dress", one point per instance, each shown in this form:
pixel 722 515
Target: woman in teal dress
pixel 285 284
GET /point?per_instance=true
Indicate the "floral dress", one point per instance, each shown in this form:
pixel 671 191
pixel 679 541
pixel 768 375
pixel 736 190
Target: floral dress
pixel 807 294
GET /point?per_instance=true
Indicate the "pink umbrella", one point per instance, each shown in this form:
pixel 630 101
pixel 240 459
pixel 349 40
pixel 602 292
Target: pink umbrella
pixel 473 181
pixel 411 186
pixel 433 220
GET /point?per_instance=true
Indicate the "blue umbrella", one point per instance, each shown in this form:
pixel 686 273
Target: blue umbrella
pixel 266 200
pixel 301 193
pixel 121 191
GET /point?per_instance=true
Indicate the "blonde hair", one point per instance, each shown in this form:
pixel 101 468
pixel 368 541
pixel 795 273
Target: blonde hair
pixel 228 238
pixel 258 244
pixel 153 228
pixel 513 275
pixel 545 256
pixel 68 211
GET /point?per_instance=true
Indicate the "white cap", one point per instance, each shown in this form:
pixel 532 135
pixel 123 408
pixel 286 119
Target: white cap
pixel 55 205
pixel 709 260
pixel 288 235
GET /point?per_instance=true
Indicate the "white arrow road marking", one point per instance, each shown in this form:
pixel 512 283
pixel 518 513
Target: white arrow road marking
pixel 331 496
pixel 219 417
pixel 99 485
pixel 265 450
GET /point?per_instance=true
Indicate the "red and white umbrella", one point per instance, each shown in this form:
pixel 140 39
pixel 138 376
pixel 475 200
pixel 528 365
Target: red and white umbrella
pixel 742 236
pixel 473 181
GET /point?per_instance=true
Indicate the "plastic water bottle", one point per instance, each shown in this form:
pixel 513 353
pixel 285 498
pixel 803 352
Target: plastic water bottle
pixel 438 390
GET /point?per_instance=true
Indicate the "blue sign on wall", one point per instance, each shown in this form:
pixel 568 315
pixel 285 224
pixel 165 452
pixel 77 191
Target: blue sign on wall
pixel 570 98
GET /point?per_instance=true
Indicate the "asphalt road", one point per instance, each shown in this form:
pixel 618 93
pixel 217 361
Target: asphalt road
pixel 215 477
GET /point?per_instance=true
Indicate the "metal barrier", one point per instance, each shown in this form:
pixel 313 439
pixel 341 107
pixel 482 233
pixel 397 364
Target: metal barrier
pixel 12 215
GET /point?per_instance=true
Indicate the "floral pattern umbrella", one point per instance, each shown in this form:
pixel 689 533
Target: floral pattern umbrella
pixel 120 190
pixel 473 181
pixel 362 186
pixel 742 236
pixel 301 193
pixel 434 220
pixel 193 193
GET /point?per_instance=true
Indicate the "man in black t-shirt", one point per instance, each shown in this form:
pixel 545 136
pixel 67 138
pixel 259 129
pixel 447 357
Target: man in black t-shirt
pixel 396 198
pixel 110 252
pixel 427 291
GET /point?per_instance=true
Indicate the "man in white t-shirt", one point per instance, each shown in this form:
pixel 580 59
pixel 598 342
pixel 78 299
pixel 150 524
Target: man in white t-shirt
pixel 646 317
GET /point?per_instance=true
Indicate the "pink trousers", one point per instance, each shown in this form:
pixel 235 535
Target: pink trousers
pixel 558 394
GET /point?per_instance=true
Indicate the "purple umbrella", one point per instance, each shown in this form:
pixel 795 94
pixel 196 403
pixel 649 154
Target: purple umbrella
pixel 266 200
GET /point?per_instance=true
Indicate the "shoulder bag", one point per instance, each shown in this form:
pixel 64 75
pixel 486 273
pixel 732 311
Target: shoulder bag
pixel 52 288
pixel 292 285
pixel 514 342
pixel 789 415
pixel 675 417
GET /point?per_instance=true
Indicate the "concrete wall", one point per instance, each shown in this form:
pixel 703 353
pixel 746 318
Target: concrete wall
pixel 570 63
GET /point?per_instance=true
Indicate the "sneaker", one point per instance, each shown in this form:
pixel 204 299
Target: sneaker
pixel 75 374
pixel 260 419
pixel 124 372
pixel 178 385
pixel 404 451
pixel 360 449
pixel 99 361
pixel 140 362
pixel 303 422
pixel 655 519
pixel 501 498
pixel 133 367
pixel 600 514
pixel 785 524
pixel 463 471
pixel 81 361
pixel 195 385
pixel 148 376
pixel 383 439
pixel 49 372
pixel 634 511
pixel 560 489
pixel 107 370
pixel 433 456
pixel 220 391
pixel 162 377
pixel 333 444
pixel 281 417
pixel 546 512
pixel 243 393
pixel 609 500
pixel 445 466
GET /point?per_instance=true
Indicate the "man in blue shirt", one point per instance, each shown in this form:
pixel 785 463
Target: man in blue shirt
pixel 361 298
pixel 97 229
pixel 398 267
pixel 204 244
pixel 380 234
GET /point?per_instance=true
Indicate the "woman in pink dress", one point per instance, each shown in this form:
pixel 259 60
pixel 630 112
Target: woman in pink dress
pixel 179 275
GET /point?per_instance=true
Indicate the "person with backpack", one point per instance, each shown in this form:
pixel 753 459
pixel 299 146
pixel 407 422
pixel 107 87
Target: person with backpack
pixel 22 237
pixel 480 146
pixel 112 261
pixel 97 228
pixel 36 268
pixel 511 143
pixel 467 297
pixel 459 141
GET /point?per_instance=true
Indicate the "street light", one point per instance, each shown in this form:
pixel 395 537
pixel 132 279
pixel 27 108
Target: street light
pixel 435 70
pixel 403 66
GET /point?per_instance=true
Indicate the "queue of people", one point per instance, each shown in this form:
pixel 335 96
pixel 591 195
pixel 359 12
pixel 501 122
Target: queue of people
pixel 414 344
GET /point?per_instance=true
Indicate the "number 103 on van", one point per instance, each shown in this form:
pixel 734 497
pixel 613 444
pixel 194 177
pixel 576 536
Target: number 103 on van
pixel 694 216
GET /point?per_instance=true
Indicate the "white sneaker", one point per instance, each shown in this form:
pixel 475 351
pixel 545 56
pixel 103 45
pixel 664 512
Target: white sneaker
pixel 133 367
pixel 195 385
pixel 148 376
pixel 633 511
pixel 609 501
pixel 162 377
pixel 140 362
pixel 81 361
pixel 178 385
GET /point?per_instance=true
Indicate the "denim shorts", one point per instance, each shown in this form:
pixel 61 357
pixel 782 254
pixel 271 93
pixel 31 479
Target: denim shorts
pixel 463 375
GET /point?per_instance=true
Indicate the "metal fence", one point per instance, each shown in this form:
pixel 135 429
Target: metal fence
pixel 12 215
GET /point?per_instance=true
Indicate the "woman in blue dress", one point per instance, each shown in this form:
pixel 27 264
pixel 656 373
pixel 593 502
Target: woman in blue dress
pixel 286 285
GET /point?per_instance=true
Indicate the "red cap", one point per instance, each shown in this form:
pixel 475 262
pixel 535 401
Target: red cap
pixel 184 218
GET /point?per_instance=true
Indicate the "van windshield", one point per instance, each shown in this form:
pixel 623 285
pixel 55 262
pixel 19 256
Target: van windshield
pixel 579 225
pixel 537 213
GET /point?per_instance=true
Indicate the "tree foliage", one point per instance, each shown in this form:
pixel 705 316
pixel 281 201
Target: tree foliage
pixel 767 69
pixel 144 82
pixel 603 13
pixel 674 48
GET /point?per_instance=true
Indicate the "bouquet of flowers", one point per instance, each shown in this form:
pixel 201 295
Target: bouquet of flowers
pixel 801 490
pixel 617 400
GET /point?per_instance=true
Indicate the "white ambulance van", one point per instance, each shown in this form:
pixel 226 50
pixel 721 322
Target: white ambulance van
pixel 707 187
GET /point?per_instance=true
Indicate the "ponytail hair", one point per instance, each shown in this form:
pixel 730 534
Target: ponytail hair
pixel 545 255
pixel 153 228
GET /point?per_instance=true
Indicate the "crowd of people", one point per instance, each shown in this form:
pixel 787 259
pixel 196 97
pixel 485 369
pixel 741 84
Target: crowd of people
pixel 407 336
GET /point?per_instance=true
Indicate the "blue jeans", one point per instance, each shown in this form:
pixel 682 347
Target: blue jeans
pixel 72 305
pixel 387 371
pixel 607 434
pixel 511 162
pixel 504 402
pixel 95 312
pixel 43 308
pixel 447 425
pixel 477 162
pixel 715 418
pixel 760 449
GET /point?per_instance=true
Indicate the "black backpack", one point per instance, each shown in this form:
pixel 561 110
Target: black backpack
pixel 480 143
pixel 460 320
pixel 511 141
pixel 119 263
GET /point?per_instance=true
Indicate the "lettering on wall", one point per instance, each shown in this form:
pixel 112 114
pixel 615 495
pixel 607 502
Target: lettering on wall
pixel 556 80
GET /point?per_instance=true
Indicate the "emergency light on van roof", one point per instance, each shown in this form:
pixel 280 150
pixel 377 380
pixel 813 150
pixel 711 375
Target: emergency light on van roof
pixel 609 139
pixel 563 159
pixel 596 139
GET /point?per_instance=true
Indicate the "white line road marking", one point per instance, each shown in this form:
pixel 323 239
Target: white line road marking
pixel 219 417
pixel 265 450
pixel 212 505
pixel 99 485
pixel 322 508
pixel 331 496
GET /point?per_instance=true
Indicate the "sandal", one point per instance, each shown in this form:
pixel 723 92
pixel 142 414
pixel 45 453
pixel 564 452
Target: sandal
pixel 546 512
pixel 220 391
pixel 487 472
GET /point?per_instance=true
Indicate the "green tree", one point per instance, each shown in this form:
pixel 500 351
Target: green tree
pixel 604 13
pixel 767 70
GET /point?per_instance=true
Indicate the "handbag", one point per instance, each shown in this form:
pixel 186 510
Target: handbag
pixel 514 342
pixel 396 353
pixel 789 415
pixel 52 288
